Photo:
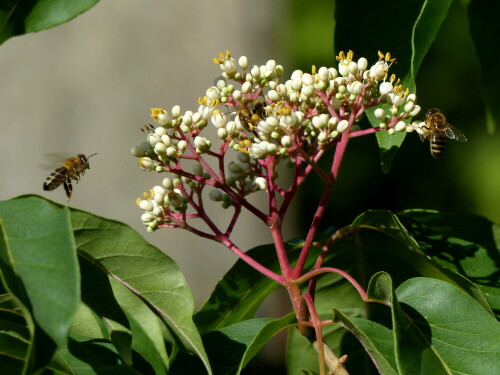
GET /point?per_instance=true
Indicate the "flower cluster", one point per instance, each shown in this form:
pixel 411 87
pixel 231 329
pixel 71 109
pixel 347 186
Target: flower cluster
pixel 261 115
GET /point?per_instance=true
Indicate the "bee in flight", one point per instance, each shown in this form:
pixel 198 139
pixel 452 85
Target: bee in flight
pixel 72 169
pixel 250 112
pixel 437 129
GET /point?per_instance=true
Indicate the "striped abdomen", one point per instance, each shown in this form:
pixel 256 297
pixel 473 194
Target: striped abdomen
pixel 437 143
pixel 55 179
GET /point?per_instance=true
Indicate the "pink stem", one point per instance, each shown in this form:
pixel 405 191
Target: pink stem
pixel 345 275
pixel 249 260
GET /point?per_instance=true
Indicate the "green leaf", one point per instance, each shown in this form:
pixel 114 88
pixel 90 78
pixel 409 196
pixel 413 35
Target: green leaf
pixel 464 243
pixel 241 291
pixel 411 349
pixel 113 249
pixel 231 348
pixel 39 265
pixel 413 28
pixel 483 24
pixel 436 329
pixel 381 232
pixel 462 334
pixel 17 330
pixel 377 340
pixel 89 358
pixel 146 328
pixel 19 17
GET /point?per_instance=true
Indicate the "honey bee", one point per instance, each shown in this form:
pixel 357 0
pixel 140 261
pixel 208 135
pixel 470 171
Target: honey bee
pixel 437 129
pixel 72 168
pixel 250 112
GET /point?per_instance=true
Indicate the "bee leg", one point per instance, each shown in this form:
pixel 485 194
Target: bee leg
pixel 68 188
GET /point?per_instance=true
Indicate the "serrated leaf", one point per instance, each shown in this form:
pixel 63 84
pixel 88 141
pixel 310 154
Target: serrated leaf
pixel 39 266
pixel 19 17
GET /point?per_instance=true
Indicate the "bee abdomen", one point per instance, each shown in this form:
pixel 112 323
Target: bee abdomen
pixel 437 147
pixel 55 179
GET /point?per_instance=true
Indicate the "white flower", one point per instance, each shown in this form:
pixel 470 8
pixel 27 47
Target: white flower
pixel 400 126
pixel 261 183
pixel 385 88
pixel 146 205
pixel 342 126
pixel 362 64
pixel 243 62
pixel 379 113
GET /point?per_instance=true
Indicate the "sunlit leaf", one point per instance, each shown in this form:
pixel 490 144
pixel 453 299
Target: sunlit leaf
pixel 19 17
pixel 39 267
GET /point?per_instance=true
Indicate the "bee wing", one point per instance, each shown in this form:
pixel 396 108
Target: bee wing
pixel 454 133
pixel 52 160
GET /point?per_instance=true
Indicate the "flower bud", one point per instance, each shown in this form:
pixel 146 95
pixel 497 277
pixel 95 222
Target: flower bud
pixel 353 68
pixel 137 151
pixel 146 205
pixel 273 95
pixel 171 152
pixel 222 133
pixel 147 217
pixel 415 111
pixel 243 62
pixel 323 74
pixel 409 106
pixel 342 126
pixel 362 64
pixel 246 87
pixel 379 113
pixel 153 139
pixel 182 145
pixel 400 126
pixel 255 72
pixel 176 111
pixel 160 148
pixel 271 65
pixel 286 141
pixel 385 88
pixel 343 69
pixel 261 183
pixel 215 195
pixel 146 163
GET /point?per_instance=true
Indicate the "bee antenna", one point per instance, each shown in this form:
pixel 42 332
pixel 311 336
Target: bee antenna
pixel 92 155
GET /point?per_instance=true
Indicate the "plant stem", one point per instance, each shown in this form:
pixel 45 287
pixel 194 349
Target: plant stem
pixel 344 274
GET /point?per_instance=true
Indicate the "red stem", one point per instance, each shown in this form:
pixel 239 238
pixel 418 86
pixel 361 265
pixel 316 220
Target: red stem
pixel 345 275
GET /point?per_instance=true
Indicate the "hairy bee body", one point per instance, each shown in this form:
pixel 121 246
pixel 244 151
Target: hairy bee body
pixel 251 112
pixel 438 130
pixel 72 169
